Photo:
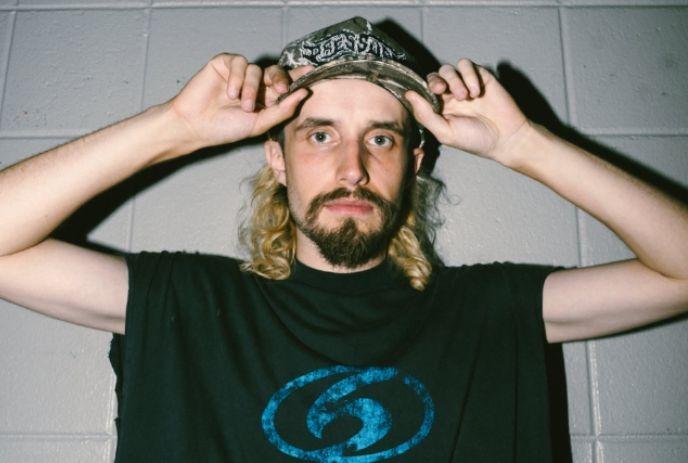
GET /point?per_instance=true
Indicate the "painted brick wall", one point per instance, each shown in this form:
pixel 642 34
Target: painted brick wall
pixel 614 70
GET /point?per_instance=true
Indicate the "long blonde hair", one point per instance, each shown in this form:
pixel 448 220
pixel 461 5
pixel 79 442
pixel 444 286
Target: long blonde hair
pixel 270 232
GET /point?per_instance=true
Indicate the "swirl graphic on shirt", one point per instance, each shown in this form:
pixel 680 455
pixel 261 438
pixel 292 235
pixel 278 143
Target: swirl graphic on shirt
pixel 376 421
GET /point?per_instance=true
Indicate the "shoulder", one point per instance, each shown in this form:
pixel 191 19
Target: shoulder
pixel 181 263
pixel 508 274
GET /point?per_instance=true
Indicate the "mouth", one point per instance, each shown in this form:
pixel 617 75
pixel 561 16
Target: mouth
pixel 349 207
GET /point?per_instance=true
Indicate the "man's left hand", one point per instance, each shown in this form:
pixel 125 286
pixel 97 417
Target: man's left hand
pixel 478 115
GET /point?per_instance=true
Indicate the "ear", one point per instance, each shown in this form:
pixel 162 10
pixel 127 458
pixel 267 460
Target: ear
pixel 418 154
pixel 275 159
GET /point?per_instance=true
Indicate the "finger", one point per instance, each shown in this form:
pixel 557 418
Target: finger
pixel 276 77
pixel 426 116
pixel 470 76
pixel 456 84
pixel 436 84
pixel 249 89
pixel 299 71
pixel 237 69
pixel 273 115
pixel 486 75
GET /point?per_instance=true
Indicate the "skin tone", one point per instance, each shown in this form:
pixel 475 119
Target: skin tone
pixel 348 134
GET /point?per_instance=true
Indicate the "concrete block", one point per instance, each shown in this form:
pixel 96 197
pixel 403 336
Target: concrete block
pixel 641 376
pixel 642 380
pixel 582 450
pixel 627 68
pixel 578 388
pixel 493 213
pixel 5 39
pixel 659 449
pixel 302 20
pixel 56 377
pixel 502 215
pixel 179 47
pixel 490 36
pixel 56 450
pixel 197 207
pixel 85 3
pixel 73 69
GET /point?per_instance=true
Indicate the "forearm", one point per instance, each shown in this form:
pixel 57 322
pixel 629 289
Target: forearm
pixel 653 225
pixel 38 193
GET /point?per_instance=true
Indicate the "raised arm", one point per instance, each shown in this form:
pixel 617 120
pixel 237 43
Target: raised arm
pixel 226 101
pixel 480 117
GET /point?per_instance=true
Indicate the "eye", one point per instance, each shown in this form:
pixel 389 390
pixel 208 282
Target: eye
pixel 320 137
pixel 382 141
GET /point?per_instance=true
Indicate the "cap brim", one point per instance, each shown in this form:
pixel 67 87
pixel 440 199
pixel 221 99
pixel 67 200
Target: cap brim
pixel 392 76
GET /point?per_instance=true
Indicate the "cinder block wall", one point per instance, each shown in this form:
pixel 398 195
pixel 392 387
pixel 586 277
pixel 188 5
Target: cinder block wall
pixel 613 70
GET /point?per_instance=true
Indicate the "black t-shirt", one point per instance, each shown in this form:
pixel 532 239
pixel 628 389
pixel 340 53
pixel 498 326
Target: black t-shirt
pixel 218 365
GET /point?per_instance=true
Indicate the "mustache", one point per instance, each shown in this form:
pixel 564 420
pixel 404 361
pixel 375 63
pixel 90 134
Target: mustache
pixel 387 207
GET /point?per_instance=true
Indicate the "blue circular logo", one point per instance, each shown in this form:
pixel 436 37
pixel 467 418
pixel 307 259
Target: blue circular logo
pixel 376 421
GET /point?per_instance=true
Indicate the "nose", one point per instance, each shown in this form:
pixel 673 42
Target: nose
pixel 351 168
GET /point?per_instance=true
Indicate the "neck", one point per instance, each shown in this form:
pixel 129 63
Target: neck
pixel 307 253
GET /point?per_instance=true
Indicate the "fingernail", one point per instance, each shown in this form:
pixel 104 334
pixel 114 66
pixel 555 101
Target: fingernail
pixel 233 92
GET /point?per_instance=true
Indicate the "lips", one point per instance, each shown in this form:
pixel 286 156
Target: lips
pixel 349 207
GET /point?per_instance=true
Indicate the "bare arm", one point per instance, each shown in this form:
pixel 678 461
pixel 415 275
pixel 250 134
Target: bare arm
pixel 480 117
pixel 38 193
pixel 59 279
pixel 603 299
pixel 87 287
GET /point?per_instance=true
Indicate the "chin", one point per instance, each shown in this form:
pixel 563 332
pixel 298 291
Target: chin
pixel 362 225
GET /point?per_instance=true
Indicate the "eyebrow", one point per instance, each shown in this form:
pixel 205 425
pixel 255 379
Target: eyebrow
pixel 319 122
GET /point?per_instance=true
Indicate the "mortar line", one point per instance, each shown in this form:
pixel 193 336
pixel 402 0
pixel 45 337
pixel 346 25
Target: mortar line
pixel 8 49
pixel 570 114
pixel 284 20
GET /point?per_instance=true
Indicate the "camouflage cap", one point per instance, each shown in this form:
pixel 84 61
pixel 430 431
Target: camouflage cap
pixel 357 49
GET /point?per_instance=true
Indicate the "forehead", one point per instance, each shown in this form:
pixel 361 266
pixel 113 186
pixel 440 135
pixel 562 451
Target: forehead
pixel 350 101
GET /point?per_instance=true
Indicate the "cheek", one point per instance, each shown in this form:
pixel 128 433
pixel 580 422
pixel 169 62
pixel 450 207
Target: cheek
pixel 391 179
pixel 302 186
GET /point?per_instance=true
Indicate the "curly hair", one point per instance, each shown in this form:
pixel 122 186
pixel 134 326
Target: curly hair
pixel 270 232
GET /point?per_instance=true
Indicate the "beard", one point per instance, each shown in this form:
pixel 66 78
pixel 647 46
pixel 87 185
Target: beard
pixel 346 245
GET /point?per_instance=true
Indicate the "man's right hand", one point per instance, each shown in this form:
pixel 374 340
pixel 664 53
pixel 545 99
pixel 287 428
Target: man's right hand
pixel 230 99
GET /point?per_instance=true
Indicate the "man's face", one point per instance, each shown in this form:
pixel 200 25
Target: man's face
pixel 345 165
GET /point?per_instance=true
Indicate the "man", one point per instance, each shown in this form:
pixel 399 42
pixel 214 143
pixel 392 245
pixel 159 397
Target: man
pixel 340 339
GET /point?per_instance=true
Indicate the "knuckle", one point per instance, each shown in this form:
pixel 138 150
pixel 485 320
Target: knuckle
pixel 253 69
pixel 221 56
pixel 464 62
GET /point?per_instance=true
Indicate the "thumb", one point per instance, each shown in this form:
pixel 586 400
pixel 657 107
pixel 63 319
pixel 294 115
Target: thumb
pixel 273 115
pixel 426 115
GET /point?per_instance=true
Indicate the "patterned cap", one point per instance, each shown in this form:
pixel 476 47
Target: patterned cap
pixel 356 49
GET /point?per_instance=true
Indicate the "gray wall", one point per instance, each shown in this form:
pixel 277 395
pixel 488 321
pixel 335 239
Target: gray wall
pixel 615 70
